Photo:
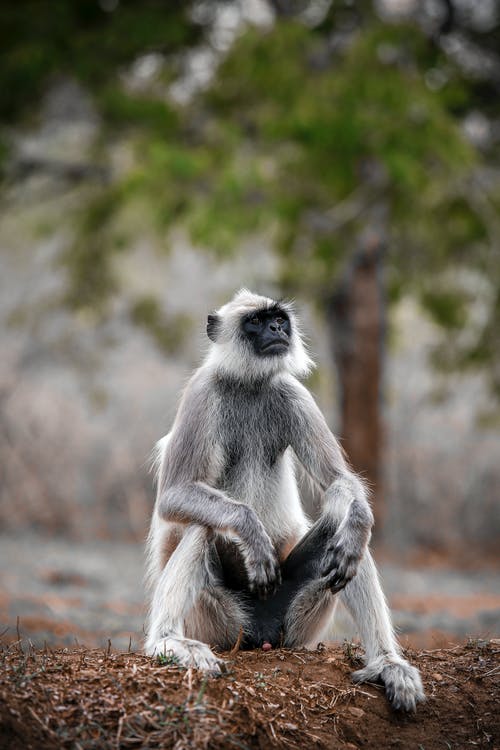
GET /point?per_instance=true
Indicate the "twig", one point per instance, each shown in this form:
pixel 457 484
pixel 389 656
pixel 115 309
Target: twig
pixel 38 719
pixel 18 631
pixel 276 715
pixel 439 650
pixel 119 732
pixel 237 645
pixel 363 692
pixel 333 687
pixel 273 732
pixel 491 671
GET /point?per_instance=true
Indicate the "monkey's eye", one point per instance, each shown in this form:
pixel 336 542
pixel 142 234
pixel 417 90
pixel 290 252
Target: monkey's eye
pixel 255 321
pixel 280 321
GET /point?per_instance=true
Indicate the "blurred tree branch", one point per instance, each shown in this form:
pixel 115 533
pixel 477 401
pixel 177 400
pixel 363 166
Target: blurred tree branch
pixel 311 132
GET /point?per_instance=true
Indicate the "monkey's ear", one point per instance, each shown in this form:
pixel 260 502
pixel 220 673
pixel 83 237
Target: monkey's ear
pixel 213 324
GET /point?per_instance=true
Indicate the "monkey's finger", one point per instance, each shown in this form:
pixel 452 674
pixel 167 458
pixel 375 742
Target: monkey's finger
pixel 272 587
pixel 276 578
pixel 330 565
pixel 221 668
pixel 336 581
pixel 259 587
pixel 214 671
pixel 262 592
pixel 254 588
pixel 273 572
pixel 337 586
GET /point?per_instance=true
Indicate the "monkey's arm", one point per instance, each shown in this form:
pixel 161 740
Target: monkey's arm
pixel 196 502
pixel 191 463
pixel 345 497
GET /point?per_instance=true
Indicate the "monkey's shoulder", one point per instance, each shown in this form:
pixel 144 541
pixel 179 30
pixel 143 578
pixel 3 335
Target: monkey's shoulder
pixel 197 396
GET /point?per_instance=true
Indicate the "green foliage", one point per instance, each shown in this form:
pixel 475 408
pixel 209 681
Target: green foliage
pixel 40 39
pixel 123 110
pixel 89 260
pixel 447 308
pixel 329 128
pixel 284 143
pixel 169 660
pixel 296 137
pixel 4 150
pixel 167 332
pixel 484 351
pixel 313 151
pixel 91 280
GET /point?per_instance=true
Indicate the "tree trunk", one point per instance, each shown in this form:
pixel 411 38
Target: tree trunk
pixel 356 317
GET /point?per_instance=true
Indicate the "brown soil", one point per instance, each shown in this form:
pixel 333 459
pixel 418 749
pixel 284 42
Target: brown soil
pixel 80 698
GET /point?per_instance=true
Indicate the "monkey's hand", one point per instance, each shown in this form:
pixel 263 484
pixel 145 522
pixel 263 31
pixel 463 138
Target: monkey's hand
pixel 261 563
pixel 342 557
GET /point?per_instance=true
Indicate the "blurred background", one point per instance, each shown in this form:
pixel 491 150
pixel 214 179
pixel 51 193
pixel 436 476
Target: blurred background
pixel 157 156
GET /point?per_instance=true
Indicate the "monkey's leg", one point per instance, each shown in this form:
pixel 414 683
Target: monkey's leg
pixel 219 614
pixel 366 603
pixel 303 604
pixel 176 594
pixel 312 603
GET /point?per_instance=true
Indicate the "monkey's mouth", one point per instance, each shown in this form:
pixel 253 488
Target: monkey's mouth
pixel 276 347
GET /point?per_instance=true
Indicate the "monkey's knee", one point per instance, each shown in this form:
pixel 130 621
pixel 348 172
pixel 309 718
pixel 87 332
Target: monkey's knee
pixel 348 493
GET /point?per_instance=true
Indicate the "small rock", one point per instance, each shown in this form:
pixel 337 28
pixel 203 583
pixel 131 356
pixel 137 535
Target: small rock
pixel 357 712
pixel 436 676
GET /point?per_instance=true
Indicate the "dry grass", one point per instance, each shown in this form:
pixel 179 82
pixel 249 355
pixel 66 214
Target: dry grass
pixel 81 699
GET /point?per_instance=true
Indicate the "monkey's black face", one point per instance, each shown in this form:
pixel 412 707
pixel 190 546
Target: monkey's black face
pixel 269 331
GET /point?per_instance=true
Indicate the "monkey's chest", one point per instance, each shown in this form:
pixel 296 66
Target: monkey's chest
pixel 251 443
pixel 248 454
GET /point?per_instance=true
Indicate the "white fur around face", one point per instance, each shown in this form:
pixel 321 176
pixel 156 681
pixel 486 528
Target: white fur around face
pixel 230 355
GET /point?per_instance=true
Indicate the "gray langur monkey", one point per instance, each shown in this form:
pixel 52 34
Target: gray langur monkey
pixel 230 549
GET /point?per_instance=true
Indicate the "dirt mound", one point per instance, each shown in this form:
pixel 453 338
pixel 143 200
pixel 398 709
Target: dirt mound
pixel 82 699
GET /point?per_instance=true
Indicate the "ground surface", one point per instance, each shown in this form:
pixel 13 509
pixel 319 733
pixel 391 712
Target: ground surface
pixel 55 693
pixel 82 699
pixel 62 590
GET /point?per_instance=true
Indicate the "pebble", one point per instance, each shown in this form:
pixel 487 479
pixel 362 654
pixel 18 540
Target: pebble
pixel 357 712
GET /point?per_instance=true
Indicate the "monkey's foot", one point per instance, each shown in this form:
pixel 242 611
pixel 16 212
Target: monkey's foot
pixel 187 653
pixel 403 686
